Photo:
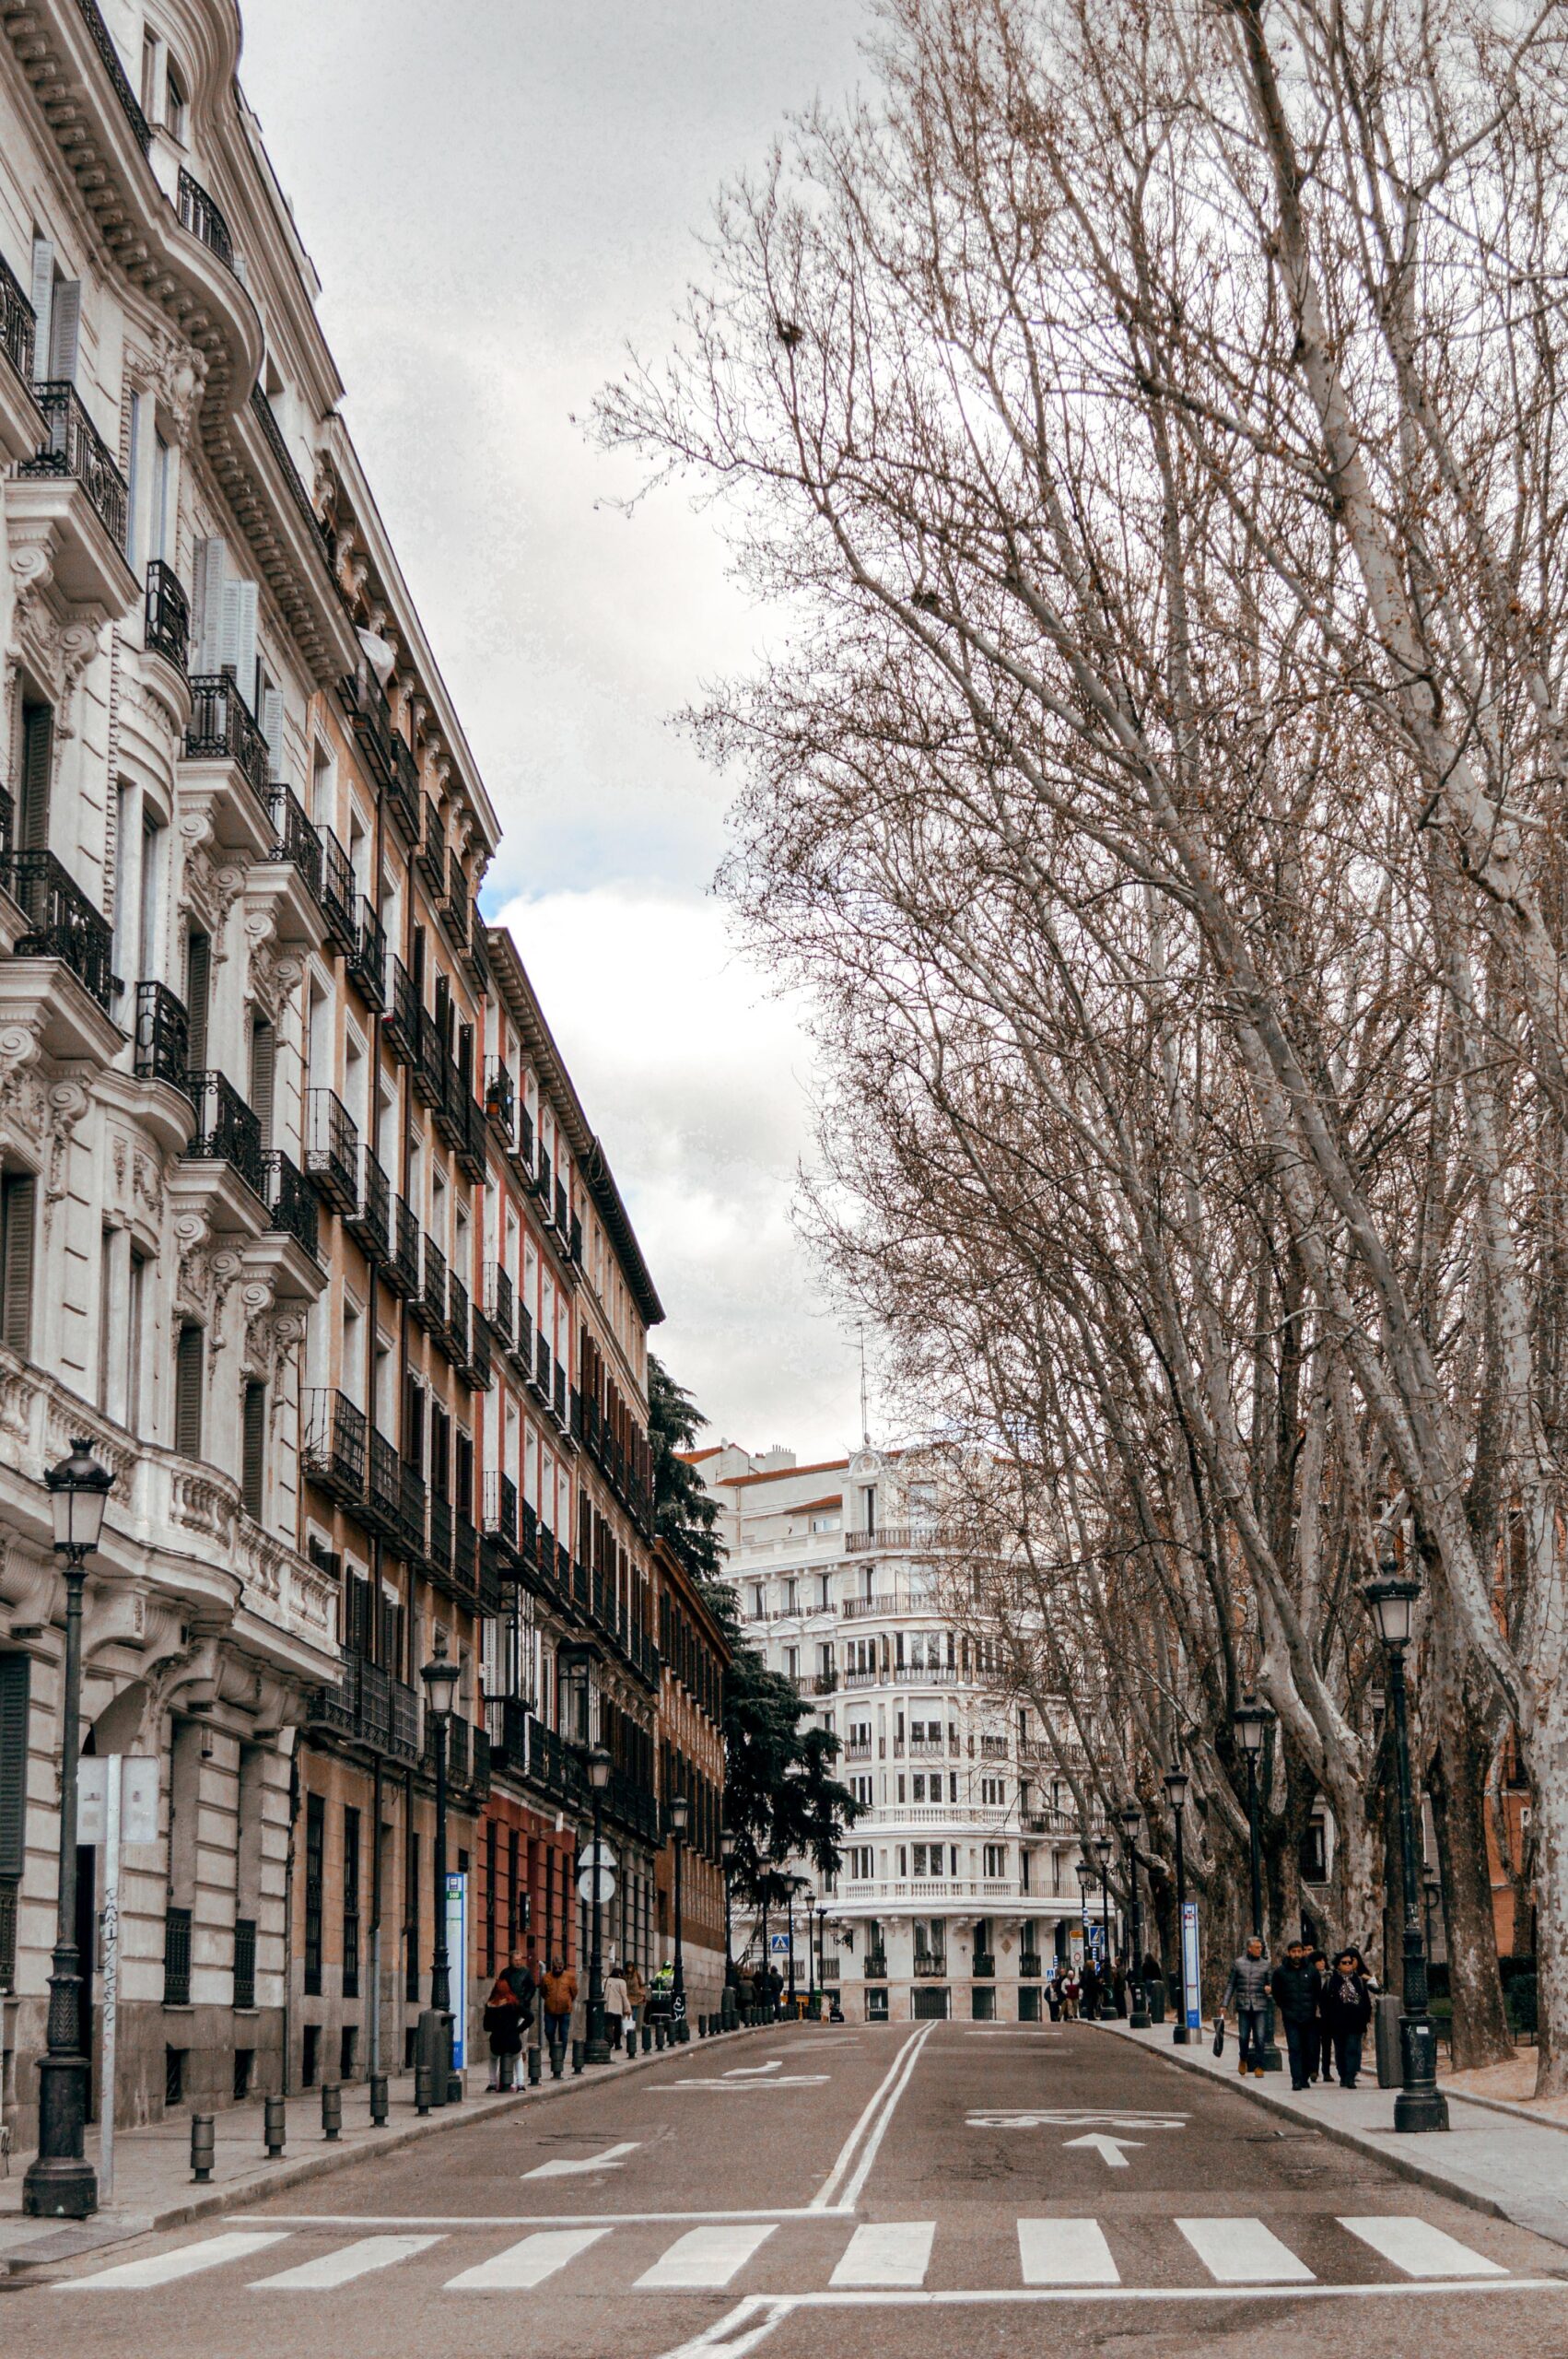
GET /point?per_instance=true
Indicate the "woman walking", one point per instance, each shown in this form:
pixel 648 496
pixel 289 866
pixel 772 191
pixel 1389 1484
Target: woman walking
pixel 617 2006
pixel 503 2028
pixel 1347 2010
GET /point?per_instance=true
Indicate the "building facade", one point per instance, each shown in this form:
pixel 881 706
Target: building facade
pixel 959 1888
pixel 301 1224
pixel 694 1656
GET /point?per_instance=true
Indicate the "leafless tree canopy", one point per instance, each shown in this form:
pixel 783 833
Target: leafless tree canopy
pixel 1148 413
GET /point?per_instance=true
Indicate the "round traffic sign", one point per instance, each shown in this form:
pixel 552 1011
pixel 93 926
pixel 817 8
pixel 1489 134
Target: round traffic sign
pixel 606 1886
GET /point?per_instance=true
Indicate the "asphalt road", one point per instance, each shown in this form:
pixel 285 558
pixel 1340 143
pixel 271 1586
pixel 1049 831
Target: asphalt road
pixel 901 2192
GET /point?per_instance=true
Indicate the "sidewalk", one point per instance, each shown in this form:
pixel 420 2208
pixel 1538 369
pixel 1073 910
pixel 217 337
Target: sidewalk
pixel 153 2187
pixel 1514 2168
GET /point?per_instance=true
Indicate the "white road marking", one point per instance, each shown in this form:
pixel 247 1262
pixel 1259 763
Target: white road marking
pixel 1418 2249
pixel 872 2124
pixel 1243 2252
pixel 1065 2253
pixel 1077 2116
pixel 1109 2150
pixel 886 2252
pixel 754 2072
pixel 340 2268
pixel 186 2260
pixel 706 2257
pixel 610 2159
pixel 526 2264
pixel 748 2088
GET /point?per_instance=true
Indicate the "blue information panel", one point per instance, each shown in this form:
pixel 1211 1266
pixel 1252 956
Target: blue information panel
pixel 457 1960
pixel 1192 1987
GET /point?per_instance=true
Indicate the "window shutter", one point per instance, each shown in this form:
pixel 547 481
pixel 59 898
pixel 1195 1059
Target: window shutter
pixel 137 415
pixel 254 1438
pixel 414 1424
pixel 13 1764
pixel 206 604
pixel 42 303
pixel 264 1075
pixel 198 994
pixel 18 1195
pixel 237 637
pixel 466 1474
pixel 271 730
pixel 65 330
pixel 188 1359
pixel 38 760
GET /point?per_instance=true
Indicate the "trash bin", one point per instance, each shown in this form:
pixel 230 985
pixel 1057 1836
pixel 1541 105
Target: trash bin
pixel 1386 2012
pixel 1155 1997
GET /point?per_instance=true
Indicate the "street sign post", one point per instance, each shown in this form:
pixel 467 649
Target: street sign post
pixel 457 1952
pixel 116 1803
pixel 1191 1979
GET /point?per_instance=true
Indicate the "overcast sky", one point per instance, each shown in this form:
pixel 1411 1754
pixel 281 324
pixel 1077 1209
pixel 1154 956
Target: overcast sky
pixel 499 196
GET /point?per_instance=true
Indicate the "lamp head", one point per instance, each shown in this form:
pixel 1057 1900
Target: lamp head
pixel 726 1846
pixel 1176 1785
pixel 1251 1722
pixel 1103 1848
pixel 441 1677
pixel 678 1810
pixel 1131 1818
pixel 1391 1602
pixel 78 1493
pixel 598 1767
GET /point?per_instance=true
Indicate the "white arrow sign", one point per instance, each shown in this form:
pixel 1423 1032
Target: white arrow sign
pixel 610 2160
pixel 1076 2117
pixel 1108 2149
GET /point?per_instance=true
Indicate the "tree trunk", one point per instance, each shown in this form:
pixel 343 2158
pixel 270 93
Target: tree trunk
pixel 1456 1786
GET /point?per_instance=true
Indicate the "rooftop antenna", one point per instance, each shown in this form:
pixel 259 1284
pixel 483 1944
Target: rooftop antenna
pixel 865 1412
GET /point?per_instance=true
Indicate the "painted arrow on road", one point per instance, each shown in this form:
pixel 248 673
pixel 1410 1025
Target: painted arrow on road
pixel 1108 2149
pixel 610 2160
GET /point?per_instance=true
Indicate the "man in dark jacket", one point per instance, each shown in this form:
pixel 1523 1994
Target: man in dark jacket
pixel 1295 1996
pixel 1347 2010
pixel 1247 1990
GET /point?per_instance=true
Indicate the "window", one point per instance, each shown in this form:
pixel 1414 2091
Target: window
pixel 862 1861
pixel 995 1856
pixel 38 764
pixel 57 316
pixel 18 1196
pixel 927 1860
pixel 264 1075
pixel 861 1789
pixel 315 1889
pixel 189 1367
pixel 253 1444
pixel 197 995
pixel 174 104
pixel 136 1326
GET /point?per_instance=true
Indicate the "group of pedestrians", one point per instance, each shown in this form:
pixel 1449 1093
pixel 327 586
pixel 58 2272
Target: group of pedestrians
pixel 528 1987
pixel 1325 2008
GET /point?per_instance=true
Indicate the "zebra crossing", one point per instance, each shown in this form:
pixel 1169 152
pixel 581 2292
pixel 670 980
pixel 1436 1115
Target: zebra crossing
pixel 893 2256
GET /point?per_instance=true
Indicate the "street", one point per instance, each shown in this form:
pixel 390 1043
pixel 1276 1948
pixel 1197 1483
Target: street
pixel 949 2183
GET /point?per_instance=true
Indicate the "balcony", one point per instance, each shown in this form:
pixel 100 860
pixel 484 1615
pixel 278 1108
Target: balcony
pixel 430 1070
pixel 438 1542
pixel 1029 1965
pixel 476 956
pixel 465 1558
pixel 370 1711
pixel 339 894
pixel 455 1340
pixel 371 1218
pixel 428 1306
pixel 202 217
pixel 876 1965
pixel 383 1491
pixel 413 1512
pixel 225 772
pixel 468 1753
pixel 500 1305
pixel 402 1273
pixel 162 1038
pixel 982 1966
pixel 334 1449
pixel 21 425
pixel 500 1509
pixel 500 1102
pixel 366 961
pixel 472 1143
pixel 59 924
pixel 70 499
pixel 432 853
pixel 166 616
pixel 387 752
pixel 286 883
pixel 929 1966
pixel 477 1367
pixel 227 1130
pixel 331 1150
pixel 522 1355
pixel 400 1024
pixel 292 1213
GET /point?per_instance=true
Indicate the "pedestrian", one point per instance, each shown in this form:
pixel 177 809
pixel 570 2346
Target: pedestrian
pixel 637 1994
pixel 1070 1988
pixel 561 1996
pixel 1347 2010
pixel 1118 1984
pixel 1089 1996
pixel 1322 2049
pixel 1053 1997
pixel 775 1990
pixel 617 2005
pixel 523 1979
pixel 1294 1987
pixel 1248 1988
pixel 503 2028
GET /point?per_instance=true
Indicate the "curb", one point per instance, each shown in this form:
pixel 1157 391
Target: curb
pixel 1505 2105
pixel 1339 2132
pixel 238 2192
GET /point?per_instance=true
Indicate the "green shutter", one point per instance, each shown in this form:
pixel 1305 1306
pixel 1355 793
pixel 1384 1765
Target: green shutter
pixel 264 1075
pixel 253 1440
pixel 198 995
pixel 188 1369
pixel 37 757
pixel 18 1200
pixel 13 1764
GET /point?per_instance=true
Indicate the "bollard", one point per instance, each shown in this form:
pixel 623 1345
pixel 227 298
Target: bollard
pixel 647 2038
pixel 422 2079
pixel 577 2045
pixel 274 2126
pixel 535 2068
pixel 660 2034
pixel 631 2037
pixel 379 2101
pixel 331 2111
pixel 200 2147
pixel 557 2060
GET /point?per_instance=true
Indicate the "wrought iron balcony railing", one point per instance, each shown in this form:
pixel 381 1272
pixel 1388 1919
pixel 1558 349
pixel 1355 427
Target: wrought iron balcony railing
pixel 500 1104
pixel 77 451
pixel 338 894
pixel 500 1507
pixel 366 961
pixel 266 418
pixel 473 1141
pixel 335 1448
pixel 432 854
pixel 457 1321
pixel 291 1203
pixel 163 1036
pixel 388 753
pixel 383 1495
pixel 103 42
pixel 222 730
pixel 17 326
pixel 403 1267
pixel 429 1309
pixel 227 1130
pixel 400 1024
pixel 204 221
pixel 370 1219
pixel 331 1150
pixel 439 1543
pixel 294 837
pixel 500 1305
pixel 412 1512
pixel 166 628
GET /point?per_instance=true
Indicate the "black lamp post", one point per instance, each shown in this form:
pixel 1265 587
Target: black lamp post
pixel 1252 1722
pixel 789 1920
pixel 597 2050
pixel 1137 1998
pixel 1176 1785
pixel 1103 1854
pixel 678 1810
pixel 441 1677
pixel 60 2184
pixel 726 1857
pixel 1085 1887
pixel 1419 2104
pixel 810 1952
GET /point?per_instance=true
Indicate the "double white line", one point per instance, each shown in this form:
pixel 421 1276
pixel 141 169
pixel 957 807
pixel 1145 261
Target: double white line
pixel 858 2150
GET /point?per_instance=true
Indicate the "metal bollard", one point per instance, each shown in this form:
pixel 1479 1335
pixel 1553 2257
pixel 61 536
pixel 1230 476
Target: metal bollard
pixel 274 2125
pixel 379 2100
pixel 535 2068
pixel 331 2111
pixel 557 2060
pixel 200 2147
pixel 577 2045
pixel 423 2090
pixel 647 2038
pixel 631 2037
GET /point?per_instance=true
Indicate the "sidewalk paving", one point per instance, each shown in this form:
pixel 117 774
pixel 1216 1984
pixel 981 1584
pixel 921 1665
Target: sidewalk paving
pixel 153 2187
pixel 1502 2163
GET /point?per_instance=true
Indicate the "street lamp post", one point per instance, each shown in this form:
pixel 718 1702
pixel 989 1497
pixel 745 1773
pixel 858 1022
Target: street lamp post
pixel 789 1920
pixel 1103 1853
pixel 1085 1887
pixel 679 1809
pixel 1176 1785
pixel 1252 1721
pixel 726 1857
pixel 60 2184
pixel 1419 2104
pixel 597 2049
pixel 441 1677
pixel 1137 1997
pixel 810 1952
